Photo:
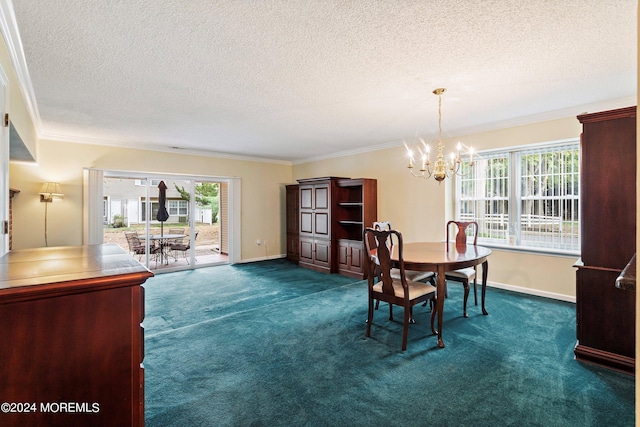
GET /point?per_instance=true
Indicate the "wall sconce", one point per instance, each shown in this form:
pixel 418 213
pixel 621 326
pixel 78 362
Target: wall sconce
pixel 49 192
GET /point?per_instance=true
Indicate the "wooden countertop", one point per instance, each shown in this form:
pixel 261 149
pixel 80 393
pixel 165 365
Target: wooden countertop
pixel 66 269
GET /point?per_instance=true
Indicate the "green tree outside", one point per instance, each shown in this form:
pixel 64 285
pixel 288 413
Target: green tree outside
pixel 206 197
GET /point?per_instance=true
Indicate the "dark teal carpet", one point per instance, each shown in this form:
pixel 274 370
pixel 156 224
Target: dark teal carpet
pixel 272 344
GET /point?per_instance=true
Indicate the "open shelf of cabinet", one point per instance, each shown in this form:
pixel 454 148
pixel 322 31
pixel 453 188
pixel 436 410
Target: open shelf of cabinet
pixel 357 208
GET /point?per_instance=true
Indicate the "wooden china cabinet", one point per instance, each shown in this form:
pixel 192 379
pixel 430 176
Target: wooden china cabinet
pixel 333 213
pixel 605 313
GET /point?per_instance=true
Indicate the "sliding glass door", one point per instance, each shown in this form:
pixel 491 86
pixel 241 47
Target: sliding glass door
pixel 193 233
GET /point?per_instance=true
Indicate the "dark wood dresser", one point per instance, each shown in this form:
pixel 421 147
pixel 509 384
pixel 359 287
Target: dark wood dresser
pixel 71 340
pixel 605 313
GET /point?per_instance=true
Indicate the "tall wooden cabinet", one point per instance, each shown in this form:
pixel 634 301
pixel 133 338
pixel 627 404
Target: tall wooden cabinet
pixel 293 222
pixel 332 215
pixel 605 314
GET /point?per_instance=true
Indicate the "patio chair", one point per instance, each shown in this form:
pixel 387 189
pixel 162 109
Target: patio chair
pixel 176 241
pixel 136 247
pixel 183 246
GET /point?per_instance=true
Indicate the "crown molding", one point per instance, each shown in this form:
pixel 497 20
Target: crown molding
pixel 546 116
pixel 11 35
pixel 163 149
pixel 504 124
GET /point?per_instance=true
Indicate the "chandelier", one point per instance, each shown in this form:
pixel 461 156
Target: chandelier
pixel 442 168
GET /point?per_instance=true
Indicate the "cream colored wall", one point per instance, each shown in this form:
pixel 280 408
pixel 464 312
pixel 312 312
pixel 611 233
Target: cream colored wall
pixel 262 192
pixel 420 208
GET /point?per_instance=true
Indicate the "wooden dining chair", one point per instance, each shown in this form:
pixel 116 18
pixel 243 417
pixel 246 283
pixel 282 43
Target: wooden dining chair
pixel 465 229
pixel 400 291
pixel 411 275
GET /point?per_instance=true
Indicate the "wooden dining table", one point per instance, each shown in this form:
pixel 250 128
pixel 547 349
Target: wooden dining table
pixel 441 257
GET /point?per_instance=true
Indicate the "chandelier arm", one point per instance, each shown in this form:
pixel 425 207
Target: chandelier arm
pixel 421 174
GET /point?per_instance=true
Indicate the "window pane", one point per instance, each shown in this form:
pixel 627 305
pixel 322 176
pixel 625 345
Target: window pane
pixel 543 208
pixel 549 197
pixel 484 196
pixel 183 207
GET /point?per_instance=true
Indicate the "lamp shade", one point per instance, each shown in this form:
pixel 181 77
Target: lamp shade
pixel 50 191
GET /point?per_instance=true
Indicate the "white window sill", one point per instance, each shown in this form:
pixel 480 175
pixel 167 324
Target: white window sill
pixel 532 250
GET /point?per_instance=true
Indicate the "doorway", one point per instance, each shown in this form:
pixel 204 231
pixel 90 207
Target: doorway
pixel 195 234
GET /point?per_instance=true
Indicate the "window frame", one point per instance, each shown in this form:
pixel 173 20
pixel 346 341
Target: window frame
pixel 512 238
pixel 178 207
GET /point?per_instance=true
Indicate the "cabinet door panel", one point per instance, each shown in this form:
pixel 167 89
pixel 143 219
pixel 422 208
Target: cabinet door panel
pixel 292 209
pixel 306 250
pixel 293 245
pixel 323 251
pixel 322 197
pixel 343 256
pixel 608 199
pixel 356 257
pixel 322 224
pixel 306 221
pixel 306 194
pixel 605 314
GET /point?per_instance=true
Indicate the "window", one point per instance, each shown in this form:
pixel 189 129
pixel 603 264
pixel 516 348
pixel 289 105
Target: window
pixel 143 209
pixel 178 207
pixel 524 197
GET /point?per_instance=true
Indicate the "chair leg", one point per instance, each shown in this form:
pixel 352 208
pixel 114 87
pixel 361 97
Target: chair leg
pixel 390 311
pixel 369 317
pixel 466 296
pixel 434 308
pixel 432 280
pixel 405 331
pixel 475 292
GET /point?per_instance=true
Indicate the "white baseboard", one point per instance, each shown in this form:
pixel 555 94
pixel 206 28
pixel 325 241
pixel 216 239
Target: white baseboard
pixel 529 291
pixel 244 261
pixel 519 289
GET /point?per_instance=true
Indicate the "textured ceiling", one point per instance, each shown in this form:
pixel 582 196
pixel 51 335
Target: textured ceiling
pixel 301 79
